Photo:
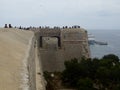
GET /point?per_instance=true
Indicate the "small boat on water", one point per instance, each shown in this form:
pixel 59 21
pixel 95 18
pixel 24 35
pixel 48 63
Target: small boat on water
pixel 92 41
pixel 101 43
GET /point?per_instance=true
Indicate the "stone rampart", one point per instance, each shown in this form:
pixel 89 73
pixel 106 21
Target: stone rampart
pixel 17 60
pixel 72 43
pixel 31 66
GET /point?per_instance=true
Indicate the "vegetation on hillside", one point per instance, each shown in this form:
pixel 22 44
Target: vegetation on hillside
pixel 88 74
pixel 93 74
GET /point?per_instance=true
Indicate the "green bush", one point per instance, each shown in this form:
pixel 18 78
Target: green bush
pixel 85 73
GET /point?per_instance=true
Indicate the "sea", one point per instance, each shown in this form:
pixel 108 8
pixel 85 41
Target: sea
pixel 112 37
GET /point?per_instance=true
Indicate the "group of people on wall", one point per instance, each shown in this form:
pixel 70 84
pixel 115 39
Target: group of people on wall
pixel 8 26
pixel 46 27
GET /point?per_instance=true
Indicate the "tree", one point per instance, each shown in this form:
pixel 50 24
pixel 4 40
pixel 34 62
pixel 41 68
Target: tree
pixel 85 84
pixel 82 74
pixel 113 57
pixel 72 72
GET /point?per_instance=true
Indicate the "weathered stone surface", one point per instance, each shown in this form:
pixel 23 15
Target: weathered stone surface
pixel 72 43
pixel 14 54
pixel 18 55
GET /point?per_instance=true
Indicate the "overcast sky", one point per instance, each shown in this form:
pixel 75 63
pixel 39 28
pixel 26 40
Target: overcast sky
pixel 89 14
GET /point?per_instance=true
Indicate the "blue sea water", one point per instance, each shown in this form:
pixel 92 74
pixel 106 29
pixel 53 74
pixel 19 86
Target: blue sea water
pixel 112 37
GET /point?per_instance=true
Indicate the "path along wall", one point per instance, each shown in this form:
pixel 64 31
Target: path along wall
pixel 31 65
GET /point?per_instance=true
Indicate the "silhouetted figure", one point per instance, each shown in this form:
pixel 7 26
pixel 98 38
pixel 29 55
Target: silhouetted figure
pixel 75 26
pixel 40 27
pixel 5 26
pixel 20 27
pixel 10 26
pixel 66 26
pixel 27 28
pixel 78 26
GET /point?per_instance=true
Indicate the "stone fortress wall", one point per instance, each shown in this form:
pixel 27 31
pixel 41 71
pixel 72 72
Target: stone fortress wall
pixel 18 54
pixel 17 59
pixel 60 44
pixel 75 43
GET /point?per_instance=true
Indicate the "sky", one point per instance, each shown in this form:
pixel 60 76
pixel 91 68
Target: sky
pixel 89 14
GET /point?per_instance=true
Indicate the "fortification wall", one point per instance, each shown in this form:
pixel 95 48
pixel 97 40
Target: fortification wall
pixel 52 60
pixel 74 44
pixel 31 65
pixel 17 59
